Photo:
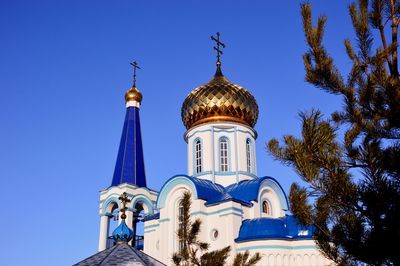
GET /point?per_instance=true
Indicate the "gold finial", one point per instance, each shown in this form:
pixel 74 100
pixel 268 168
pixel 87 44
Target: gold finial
pixel 135 66
pixel 124 200
pixel 218 49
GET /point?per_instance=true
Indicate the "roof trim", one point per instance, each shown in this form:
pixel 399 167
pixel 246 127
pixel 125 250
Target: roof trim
pixel 286 228
pixel 170 184
pixel 248 190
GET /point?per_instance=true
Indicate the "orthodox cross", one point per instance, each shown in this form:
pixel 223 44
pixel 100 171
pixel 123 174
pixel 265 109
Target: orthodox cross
pixel 135 66
pixel 124 200
pixel 217 48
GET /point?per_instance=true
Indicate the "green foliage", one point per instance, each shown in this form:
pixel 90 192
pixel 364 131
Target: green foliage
pixel 195 252
pixel 353 192
pixel 242 259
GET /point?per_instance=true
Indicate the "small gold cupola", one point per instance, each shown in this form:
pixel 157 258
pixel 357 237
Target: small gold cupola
pixel 133 94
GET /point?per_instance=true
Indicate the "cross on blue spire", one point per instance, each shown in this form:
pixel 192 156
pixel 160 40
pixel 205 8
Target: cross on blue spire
pixel 129 167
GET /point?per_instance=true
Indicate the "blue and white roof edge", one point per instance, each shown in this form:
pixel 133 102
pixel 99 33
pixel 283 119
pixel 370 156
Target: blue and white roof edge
pixel 243 192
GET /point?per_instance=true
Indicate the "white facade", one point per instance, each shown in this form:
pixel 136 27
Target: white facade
pixel 226 219
pixel 222 218
pixel 282 253
pixel 237 207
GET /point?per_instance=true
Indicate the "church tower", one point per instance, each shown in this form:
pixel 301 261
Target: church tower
pixel 129 177
pixel 220 118
pixel 236 207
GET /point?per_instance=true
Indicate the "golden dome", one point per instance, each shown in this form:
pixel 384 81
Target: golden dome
pixel 133 94
pixel 219 100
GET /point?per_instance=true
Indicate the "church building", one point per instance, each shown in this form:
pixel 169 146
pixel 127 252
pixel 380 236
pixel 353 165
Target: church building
pixel 237 206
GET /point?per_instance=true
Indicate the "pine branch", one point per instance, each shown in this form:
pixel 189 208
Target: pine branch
pixel 352 225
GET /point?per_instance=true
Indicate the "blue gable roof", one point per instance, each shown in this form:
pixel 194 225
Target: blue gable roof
pixel 247 190
pixel 213 193
pixel 150 217
pixel 243 192
pixel 129 167
pixel 273 228
pixel 206 190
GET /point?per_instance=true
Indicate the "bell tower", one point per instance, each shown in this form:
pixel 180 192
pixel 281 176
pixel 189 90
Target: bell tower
pixel 129 178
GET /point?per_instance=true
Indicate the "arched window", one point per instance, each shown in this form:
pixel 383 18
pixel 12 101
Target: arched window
pixel 223 155
pixel 248 156
pixel 180 223
pixel 266 208
pixel 197 155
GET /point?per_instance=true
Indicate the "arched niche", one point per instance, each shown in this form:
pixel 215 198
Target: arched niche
pixel 144 202
pixel 171 185
pixel 272 192
pixel 110 204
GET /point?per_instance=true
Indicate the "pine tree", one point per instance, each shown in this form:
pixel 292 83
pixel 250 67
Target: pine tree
pixel 352 195
pixel 195 252
pixel 244 259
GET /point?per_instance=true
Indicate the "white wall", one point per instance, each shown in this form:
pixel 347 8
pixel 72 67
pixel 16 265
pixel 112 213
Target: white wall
pixel 161 239
pixel 210 134
pixel 285 253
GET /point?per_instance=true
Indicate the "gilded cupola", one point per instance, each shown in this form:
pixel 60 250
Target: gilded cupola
pixel 219 100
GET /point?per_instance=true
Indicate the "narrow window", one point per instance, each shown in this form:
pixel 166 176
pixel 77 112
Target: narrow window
pixel 198 159
pixel 248 155
pixel 266 209
pixel 223 155
pixel 180 225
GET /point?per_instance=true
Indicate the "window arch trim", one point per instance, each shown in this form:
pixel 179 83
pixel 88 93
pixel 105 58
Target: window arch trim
pixel 263 214
pixel 179 222
pixel 198 168
pixel 249 156
pixel 226 167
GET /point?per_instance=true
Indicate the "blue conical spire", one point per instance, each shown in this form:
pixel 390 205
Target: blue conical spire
pixel 129 167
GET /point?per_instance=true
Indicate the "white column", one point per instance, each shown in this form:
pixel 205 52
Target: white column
pixel 103 233
pixel 189 158
pixel 236 155
pixel 212 137
pixel 129 221
pixel 254 157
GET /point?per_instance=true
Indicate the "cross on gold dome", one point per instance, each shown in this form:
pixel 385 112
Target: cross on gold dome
pixel 124 200
pixel 218 47
pixel 135 66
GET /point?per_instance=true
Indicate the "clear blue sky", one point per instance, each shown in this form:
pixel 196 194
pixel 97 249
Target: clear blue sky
pixel 64 67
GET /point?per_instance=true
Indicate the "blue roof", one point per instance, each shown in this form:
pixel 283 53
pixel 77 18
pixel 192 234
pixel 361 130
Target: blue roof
pixel 203 189
pixel 273 228
pixel 122 233
pixel 247 190
pixel 129 167
pixel 150 217
pixel 209 191
pixel 243 192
